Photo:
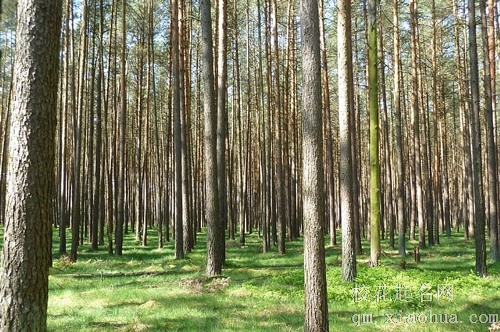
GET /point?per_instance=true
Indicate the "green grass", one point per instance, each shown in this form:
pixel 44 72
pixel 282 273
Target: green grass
pixel 264 292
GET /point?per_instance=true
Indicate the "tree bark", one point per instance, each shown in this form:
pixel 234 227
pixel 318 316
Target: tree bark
pixel 477 164
pixel 345 108
pixel 374 134
pixel 176 109
pixel 416 126
pixel 316 308
pixel 400 173
pixel 214 225
pixel 490 138
pixel 222 119
pixel 26 252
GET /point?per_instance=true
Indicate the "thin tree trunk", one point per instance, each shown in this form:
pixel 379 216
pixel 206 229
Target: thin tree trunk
pixel 490 139
pixel 327 120
pixel 476 147
pixel 400 193
pixel 416 126
pixel 278 139
pixel 222 120
pixel 77 141
pixel 176 108
pixel 374 134
pixel 121 128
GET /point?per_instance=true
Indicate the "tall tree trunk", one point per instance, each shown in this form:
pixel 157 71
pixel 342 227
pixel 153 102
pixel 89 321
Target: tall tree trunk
pixel 76 212
pixel 400 193
pixel 214 224
pixel 278 139
pixel 26 252
pixel 492 5
pixel 416 125
pixel 345 126
pixel 437 213
pixel 316 308
pixel 374 134
pixel 388 195
pixel 122 127
pixel 176 108
pixel 463 95
pixel 222 120
pixel 477 182
pixel 330 185
pixel 96 205
pixel 490 138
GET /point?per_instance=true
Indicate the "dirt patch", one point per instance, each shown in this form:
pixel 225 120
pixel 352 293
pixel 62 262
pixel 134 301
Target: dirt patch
pixel 211 285
pixel 192 284
pixel 218 284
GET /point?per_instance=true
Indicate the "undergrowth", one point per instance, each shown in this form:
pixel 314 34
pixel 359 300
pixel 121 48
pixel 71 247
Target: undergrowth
pixel 264 291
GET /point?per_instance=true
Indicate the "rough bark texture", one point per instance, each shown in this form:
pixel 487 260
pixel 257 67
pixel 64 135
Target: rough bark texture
pixel 214 248
pixel 345 105
pixel 477 164
pixel 316 309
pixel 27 240
pixel 490 137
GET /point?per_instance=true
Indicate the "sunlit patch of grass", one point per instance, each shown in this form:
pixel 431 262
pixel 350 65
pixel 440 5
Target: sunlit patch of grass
pixel 260 291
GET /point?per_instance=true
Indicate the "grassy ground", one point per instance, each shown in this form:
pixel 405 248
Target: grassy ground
pixel 264 292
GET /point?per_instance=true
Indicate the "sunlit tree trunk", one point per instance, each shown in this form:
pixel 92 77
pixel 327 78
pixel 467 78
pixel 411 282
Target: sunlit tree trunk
pixel 316 308
pixel 214 224
pixel 26 253
pixel 344 56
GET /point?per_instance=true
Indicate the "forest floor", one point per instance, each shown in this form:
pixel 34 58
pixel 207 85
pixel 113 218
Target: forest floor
pixel 146 289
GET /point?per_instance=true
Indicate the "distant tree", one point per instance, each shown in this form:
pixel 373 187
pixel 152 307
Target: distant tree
pixel 122 127
pixel 76 213
pixel 176 109
pixel 374 134
pixel 400 192
pixel 329 162
pixel 316 308
pixel 27 250
pixel 416 123
pixel 279 180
